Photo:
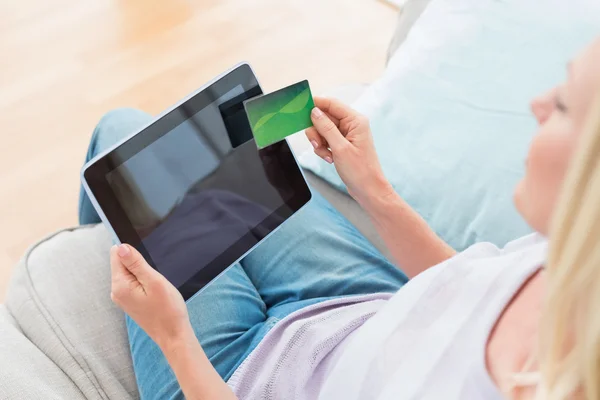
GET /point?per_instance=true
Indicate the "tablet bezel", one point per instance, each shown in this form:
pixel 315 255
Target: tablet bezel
pixel 93 176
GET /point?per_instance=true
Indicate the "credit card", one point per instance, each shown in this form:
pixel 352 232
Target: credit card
pixel 276 115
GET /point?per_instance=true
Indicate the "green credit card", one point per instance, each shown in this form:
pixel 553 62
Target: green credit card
pixel 276 115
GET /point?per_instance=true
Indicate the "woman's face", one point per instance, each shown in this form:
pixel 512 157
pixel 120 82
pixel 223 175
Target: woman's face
pixel 561 114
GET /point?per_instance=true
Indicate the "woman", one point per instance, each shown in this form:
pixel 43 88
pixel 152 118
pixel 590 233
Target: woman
pixel 316 312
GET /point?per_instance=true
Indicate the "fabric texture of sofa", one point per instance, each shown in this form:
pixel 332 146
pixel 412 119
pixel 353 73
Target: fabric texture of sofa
pixel 61 337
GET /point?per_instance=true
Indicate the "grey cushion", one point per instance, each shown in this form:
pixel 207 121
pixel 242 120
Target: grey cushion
pixel 60 297
pixel 7 319
pixel 25 371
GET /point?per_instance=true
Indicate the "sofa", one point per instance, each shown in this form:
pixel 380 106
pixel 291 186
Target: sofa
pixel 61 337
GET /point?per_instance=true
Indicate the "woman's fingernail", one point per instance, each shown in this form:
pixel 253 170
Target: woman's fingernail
pixel 329 160
pixel 123 250
pixel 314 144
pixel 316 112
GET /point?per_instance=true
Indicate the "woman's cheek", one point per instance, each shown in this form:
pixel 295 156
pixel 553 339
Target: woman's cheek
pixel 529 192
pixel 547 165
pixel 526 202
pixel 518 197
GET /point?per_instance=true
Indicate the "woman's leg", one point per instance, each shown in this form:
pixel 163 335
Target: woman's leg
pixel 113 127
pixel 317 254
pixel 228 317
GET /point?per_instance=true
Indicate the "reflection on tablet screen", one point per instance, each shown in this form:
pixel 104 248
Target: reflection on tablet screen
pixel 194 192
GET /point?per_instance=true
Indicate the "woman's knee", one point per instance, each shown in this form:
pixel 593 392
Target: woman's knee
pixel 116 125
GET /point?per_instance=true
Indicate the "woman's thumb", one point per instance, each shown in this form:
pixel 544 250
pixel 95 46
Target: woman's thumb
pixel 133 261
pixel 327 129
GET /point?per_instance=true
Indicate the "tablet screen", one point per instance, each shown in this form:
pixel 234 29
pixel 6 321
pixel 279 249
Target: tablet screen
pixel 201 194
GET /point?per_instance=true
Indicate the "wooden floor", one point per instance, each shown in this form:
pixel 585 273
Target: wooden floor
pixel 63 63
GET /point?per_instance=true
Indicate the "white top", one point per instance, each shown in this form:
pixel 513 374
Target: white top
pixel 427 341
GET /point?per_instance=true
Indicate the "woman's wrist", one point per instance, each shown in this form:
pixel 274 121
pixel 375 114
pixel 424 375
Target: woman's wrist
pixel 379 190
pixel 175 343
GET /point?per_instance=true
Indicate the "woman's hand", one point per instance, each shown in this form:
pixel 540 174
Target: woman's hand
pixel 148 297
pixel 343 137
pixel 158 308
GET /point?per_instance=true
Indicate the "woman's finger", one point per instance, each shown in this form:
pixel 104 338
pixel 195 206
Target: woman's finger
pixel 333 119
pixel 135 264
pixel 325 154
pixel 326 128
pixel 316 140
pixel 319 144
pixel 118 271
pixel 121 279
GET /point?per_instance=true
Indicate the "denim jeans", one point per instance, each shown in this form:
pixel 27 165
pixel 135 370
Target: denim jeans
pixel 315 256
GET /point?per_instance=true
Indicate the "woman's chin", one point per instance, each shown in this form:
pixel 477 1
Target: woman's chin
pixel 526 208
pixel 518 197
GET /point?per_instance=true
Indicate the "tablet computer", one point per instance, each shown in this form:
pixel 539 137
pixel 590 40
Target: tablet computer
pixel 191 191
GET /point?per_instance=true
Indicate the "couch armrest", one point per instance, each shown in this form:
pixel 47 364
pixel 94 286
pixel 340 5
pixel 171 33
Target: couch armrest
pixel 59 295
pixel 409 14
pixel 25 371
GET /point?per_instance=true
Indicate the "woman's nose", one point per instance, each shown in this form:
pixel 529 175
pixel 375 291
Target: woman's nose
pixel 542 106
pixel 540 111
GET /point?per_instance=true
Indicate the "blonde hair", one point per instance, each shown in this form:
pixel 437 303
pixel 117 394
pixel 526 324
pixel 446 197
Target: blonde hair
pixel 569 350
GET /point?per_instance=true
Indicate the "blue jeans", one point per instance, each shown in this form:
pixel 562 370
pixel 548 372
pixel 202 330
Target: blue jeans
pixel 316 255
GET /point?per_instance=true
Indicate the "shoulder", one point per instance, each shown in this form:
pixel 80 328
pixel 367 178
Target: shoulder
pixel 530 243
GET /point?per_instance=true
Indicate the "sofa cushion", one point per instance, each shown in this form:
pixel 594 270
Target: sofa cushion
pixel 25 371
pixel 450 115
pixel 60 297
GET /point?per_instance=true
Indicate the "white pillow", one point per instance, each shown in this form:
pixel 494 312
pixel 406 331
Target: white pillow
pixel 451 115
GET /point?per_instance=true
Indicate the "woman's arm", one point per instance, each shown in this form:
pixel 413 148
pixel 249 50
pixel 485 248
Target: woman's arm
pixel 413 244
pixel 195 374
pixel 158 308
pixel 342 136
